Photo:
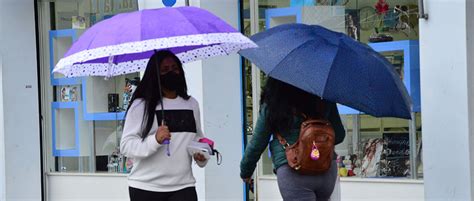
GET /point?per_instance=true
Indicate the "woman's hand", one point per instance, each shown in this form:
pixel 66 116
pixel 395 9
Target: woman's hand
pixel 248 180
pixel 199 157
pixel 162 134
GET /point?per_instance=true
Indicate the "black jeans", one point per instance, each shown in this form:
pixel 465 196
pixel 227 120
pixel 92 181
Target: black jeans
pixel 187 194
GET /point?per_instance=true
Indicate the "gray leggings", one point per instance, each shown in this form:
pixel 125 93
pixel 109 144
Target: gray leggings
pixel 296 187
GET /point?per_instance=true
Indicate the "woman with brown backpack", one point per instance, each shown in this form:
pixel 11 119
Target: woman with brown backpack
pixel 305 130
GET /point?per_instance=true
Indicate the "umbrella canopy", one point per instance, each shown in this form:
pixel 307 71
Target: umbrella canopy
pixel 124 43
pixel 333 66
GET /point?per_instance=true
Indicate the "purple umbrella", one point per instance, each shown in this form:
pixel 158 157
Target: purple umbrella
pixel 124 43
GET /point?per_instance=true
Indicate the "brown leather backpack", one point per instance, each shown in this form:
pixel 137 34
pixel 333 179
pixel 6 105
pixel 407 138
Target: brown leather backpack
pixel 312 153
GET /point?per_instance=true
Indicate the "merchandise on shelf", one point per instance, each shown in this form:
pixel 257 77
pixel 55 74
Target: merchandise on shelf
pixel 130 86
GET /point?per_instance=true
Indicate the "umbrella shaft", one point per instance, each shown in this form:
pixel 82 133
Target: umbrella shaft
pixel 158 76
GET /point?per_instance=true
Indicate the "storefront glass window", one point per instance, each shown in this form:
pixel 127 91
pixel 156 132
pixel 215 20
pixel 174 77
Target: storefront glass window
pixel 373 147
pixel 82 117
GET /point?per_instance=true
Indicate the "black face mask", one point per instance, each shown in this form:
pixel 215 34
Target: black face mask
pixel 172 81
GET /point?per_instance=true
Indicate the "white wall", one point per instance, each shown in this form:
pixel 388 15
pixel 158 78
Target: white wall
pixel 20 101
pixel 2 127
pixel 2 132
pixel 470 83
pixel 90 187
pixel 223 112
pixel 447 93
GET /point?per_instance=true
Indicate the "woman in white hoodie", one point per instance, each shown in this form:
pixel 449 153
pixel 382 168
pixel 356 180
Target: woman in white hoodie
pixel 161 164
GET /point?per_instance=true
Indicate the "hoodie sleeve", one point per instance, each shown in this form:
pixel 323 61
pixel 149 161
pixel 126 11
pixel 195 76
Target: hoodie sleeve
pixel 132 145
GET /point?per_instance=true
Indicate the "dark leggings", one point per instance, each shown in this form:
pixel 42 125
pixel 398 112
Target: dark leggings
pixel 187 194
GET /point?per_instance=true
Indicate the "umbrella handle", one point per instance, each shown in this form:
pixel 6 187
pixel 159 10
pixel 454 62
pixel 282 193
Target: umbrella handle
pixel 167 142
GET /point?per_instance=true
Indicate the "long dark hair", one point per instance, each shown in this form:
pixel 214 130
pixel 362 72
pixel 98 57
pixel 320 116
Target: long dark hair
pixel 284 102
pixel 147 89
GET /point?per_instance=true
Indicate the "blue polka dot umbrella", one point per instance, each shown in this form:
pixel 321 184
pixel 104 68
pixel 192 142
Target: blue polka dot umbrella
pixel 333 66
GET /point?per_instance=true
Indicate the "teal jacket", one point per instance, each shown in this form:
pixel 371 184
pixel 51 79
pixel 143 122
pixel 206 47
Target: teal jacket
pixel 261 137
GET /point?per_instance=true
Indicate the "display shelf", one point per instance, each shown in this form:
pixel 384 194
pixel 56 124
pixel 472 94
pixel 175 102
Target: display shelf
pixel 107 136
pixel 331 17
pixel 69 132
pixel 261 14
pixel 71 135
pixel 278 16
pixel 95 97
pixel 302 3
pixel 57 48
pixel 104 116
pixel 63 144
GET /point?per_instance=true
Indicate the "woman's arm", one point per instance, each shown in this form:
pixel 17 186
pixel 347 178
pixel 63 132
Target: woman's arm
pixel 255 147
pixel 131 144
